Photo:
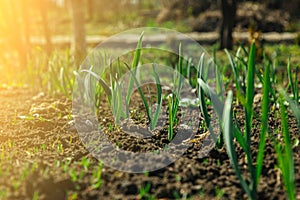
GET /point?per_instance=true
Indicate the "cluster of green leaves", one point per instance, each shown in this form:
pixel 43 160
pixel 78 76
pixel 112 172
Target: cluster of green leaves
pixel 245 95
pixel 285 153
pixel 113 91
pixel 53 73
pixel 173 100
pixel 116 100
pixel 214 96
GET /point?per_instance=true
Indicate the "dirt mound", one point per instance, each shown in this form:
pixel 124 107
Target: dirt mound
pixel 262 18
pixel 180 9
pixel 257 15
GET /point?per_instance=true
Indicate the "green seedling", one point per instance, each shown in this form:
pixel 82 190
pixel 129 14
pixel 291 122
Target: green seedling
pixel 97 181
pixel 173 100
pixel 294 106
pixel 159 98
pixel 144 192
pixel 152 119
pixel 285 154
pixel 35 195
pixel 203 89
pixel 116 97
pixel 293 81
pixel 136 60
pixel 111 92
pixel 72 172
pixel 60 78
pixel 238 75
pixel 264 122
pixel 231 131
pixel 43 146
pixel 60 148
pixel 85 162
pixel 34 166
pixel 16 184
pixel 73 196
pixel 219 193
pixel 66 165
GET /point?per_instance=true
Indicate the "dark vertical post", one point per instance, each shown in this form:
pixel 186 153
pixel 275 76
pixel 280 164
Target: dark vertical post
pixel 228 8
pixel 45 24
pixel 78 45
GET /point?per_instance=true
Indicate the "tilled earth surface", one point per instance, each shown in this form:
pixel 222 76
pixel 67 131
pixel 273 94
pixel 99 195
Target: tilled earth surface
pixel 42 157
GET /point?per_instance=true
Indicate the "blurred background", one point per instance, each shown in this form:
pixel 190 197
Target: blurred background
pixel 33 31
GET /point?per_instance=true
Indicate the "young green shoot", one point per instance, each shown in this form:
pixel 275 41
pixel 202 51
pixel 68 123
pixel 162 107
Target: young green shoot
pixel 152 119
pixel 285 154
pixel 97 180
pixel 228 128
pixel 159 98
pixel 136 60
pixel 173 101
pixel 264 123
pixel 203 89
pixel 231 131
pixel 293 81
pixel 294 106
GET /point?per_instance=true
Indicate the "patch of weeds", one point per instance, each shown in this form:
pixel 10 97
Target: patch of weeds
pixel 296 142
pixel 96 181
pixel 66 164
pixel 3 193
pixel 146 174
pixel 85 162
pixel 35 195
pixel 60 148
pixel 10 144
pixel 73 196
pixel 219 163
pixel 73 174
pixel 16 184
pixel 43 147
pixel 205 161
pixel 144 192
pixel 177 178
pixel 219 193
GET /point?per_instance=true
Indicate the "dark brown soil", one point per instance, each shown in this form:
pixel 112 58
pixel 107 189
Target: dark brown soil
pixel 38 141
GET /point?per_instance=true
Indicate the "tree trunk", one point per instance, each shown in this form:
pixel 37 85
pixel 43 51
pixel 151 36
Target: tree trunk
pixel 90 9
pixel 78 45
pixel 25 26
pixel 229 8
pixel 18 40
pixel 47 33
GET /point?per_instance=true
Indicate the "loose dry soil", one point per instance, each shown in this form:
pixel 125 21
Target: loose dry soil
pixel 38 139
